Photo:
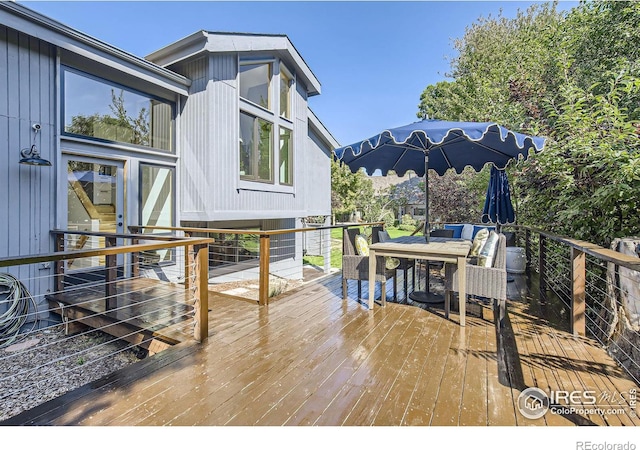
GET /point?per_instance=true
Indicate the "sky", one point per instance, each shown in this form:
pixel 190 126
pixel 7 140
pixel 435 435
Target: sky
pixel 373 59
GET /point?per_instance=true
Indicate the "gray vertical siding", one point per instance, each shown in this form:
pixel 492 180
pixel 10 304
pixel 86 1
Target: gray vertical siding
pixel 209 156
pixel 194 140
pixel 317 172
pixel 27 205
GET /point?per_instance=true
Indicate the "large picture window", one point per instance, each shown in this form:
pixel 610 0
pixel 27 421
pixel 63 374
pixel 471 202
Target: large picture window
pixel 255 83
pixel 100 109
pixel 256 148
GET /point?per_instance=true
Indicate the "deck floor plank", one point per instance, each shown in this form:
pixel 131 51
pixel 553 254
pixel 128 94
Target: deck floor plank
pixel 312 358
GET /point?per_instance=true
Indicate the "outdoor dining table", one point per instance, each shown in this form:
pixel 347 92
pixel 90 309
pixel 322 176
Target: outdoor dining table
pixel 415 247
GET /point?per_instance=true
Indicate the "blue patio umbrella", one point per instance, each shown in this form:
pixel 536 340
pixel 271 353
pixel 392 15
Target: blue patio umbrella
pixel 438 145
pixel 498 208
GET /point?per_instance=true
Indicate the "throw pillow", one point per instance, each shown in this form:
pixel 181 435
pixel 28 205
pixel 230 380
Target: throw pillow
pixel 467 232
pixel 362 245
pixel 457 230
pixel 383 236
pixel 477 228
pixel 478 242
pixel 488 252
pixel 391 263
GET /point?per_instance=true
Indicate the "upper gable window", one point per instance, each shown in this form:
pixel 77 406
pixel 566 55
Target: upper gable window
pixel 101 109
pixel 255 83
pixel 286 82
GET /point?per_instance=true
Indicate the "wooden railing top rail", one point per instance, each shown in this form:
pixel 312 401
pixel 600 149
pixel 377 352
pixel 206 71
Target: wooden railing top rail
pixel 605 254
pixel 148 237
pixel 257 232
pixel 74 254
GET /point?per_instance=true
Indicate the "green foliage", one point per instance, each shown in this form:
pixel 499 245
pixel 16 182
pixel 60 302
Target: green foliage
pixel 349 191
pixel 117 127
pixel 457 198
pixel 574 78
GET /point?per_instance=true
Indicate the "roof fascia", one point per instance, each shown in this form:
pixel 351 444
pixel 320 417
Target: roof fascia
pixel 318 127
pixel 242 43
pixel 34 24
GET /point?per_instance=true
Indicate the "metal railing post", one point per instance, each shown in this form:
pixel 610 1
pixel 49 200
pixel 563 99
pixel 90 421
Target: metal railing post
pixel 111 273
pixel 58 268
pixel 542 267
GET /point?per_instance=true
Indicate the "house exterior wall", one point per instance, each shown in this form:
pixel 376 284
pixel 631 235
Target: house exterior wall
pixel 210 162
pixel 34 51
pixel 27 193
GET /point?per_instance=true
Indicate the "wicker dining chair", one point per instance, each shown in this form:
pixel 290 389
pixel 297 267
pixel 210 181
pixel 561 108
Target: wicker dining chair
pixel 487 282
pixel 356 267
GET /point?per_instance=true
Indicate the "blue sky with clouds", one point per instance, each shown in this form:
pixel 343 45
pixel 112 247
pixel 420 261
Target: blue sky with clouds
pixel 373 59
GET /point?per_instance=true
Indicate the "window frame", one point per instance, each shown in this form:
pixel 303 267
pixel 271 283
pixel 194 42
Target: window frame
pixel 64 69
pixel 255 62
pixel 271 115
pixel 172 170
pixel 291 157
pixel 255 152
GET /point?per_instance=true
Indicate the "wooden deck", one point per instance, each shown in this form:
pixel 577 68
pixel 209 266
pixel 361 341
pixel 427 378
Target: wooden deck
pixel 310 358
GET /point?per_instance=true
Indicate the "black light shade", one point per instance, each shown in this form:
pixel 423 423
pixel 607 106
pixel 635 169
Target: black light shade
pixel 32 157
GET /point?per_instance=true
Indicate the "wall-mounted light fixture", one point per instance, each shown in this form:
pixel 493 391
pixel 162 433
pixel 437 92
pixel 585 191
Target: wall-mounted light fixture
pixel 31 156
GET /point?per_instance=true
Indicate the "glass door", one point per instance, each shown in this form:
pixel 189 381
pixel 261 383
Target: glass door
pixel 95 202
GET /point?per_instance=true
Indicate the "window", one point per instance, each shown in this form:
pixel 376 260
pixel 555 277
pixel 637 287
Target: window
pixel 286 157
pixel 255 83
pixel 285 93
pixel 156 190
pixel 256 148
pixel 101 109
pixel 266 144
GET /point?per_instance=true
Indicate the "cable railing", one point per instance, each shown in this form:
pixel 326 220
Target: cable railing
pixel 258 265
pixel 70 317
pixel 596 290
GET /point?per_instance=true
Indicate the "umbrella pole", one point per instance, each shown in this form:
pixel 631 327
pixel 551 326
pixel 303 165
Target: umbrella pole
pixel 426 196
pixel 426 296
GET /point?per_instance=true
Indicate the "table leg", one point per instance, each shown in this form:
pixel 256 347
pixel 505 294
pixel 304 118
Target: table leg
pixel 372 278
pixel 462 288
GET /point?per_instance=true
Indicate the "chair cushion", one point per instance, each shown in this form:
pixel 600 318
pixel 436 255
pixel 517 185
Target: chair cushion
pixel 383 236
pixel 488 252
pixel 362 245
pixel 467 232
pixel 457 229
pixel 477 228
pixel 478 242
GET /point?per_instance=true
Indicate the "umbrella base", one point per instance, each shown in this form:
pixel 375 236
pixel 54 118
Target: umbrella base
pixel 426 297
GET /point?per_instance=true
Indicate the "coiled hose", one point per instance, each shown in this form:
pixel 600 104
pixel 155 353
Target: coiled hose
pixel 15 297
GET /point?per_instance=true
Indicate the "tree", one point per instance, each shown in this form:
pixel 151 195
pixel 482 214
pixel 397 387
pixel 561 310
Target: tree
pixel 350 192
pixel 569 77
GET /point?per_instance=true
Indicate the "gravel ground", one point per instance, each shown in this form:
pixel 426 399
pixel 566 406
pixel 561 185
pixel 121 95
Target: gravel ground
pixel 47 364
